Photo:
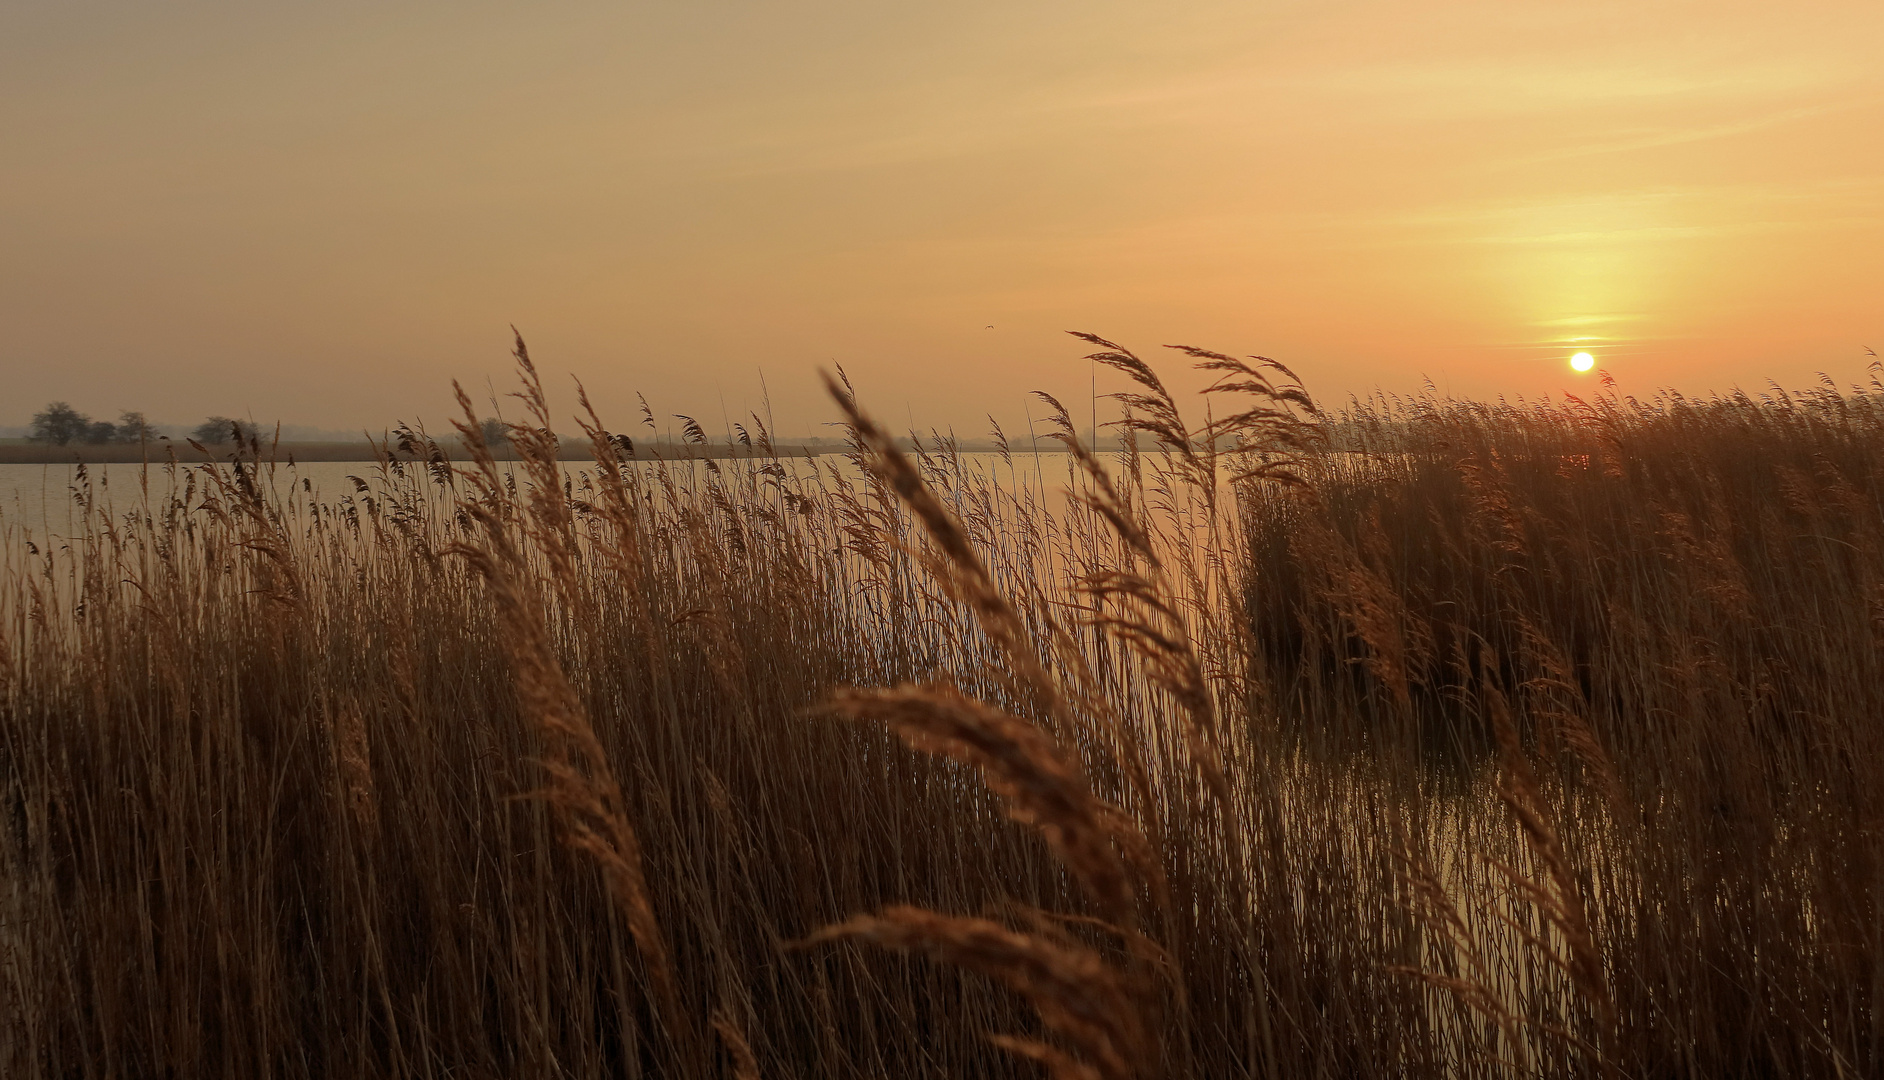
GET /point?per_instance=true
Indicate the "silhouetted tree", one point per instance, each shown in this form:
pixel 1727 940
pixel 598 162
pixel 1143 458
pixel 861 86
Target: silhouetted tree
pixel 220 429
pixel 59 423
pixel 132 427
pixel 494 433
pixel 213 431
pixel 100 431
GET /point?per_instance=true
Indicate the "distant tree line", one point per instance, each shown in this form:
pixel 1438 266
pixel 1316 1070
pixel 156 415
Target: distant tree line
pixel 220 429
pixel 60 424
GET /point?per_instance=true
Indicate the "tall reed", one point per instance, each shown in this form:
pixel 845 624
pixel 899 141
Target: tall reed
pixel 1422 737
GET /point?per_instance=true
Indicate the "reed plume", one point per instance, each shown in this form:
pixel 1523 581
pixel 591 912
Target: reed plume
pixel 1418 737
pixel 582 789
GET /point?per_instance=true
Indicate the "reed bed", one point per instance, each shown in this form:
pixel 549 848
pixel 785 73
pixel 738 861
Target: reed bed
pixel 1421 738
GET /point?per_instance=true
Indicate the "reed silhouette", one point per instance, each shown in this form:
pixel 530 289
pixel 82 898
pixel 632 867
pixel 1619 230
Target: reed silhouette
pixel 1417 738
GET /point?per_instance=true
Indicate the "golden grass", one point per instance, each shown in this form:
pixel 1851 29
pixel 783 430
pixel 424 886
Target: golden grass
pixel 1428 738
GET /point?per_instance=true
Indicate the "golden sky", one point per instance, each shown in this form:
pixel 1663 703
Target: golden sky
pixel 323 212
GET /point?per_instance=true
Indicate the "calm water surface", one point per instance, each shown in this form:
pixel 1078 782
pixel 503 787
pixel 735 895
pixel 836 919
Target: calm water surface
pixel 41 500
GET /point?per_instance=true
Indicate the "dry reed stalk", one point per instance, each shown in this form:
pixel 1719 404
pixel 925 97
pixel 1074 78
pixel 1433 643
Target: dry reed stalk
pixel 1144 611
pixel 1560 899
pixel 618 507
pixel 278 575
pixel 185 893
pixel 1155 412
pixel 1492 501
pixel 1078 997
pixel 1571 723
pixel 1267 430
pixel 965 576
pixel 1151 626
pixel 1469 975
pixel 960 568
pixel 745 1065
pixel 583 792
pixel 1041 786
pixel 354 755
pixel 1269 434
pixel 1134 610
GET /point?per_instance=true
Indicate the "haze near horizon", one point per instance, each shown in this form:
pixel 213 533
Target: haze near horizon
pixel 322 214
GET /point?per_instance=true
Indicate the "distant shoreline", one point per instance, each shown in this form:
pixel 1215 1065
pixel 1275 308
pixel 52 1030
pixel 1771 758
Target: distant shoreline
pixel 163 450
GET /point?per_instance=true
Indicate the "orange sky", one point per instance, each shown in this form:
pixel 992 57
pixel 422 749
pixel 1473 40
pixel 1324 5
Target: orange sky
pixel 322 212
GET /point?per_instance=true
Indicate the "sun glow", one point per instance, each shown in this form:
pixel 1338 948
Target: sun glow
pixel 1583 361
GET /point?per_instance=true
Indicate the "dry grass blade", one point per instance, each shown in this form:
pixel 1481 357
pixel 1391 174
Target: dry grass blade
pixel 1157 632
pixel 583 791
pixel 1059 1064
pixel 1079 998
pixel 1267 428
pixel 1041 786
pixel 269 764
pixel 1105 497
pixel 1145 618
pixel 964 574
pixel 745 1065
pixel 1467 975
pixel 1560 899
pixel 1155 412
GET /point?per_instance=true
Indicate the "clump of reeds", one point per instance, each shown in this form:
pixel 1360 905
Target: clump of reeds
pixel 1420 738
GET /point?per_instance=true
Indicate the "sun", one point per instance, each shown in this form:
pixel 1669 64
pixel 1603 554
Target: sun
pixel 1583 361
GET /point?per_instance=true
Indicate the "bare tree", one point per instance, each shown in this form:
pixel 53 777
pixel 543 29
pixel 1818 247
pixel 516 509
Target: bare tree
pixel 59 423
pixel 132 427
pixel 220 429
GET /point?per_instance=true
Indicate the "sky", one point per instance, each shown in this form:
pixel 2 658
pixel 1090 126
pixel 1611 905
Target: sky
pixel 322 213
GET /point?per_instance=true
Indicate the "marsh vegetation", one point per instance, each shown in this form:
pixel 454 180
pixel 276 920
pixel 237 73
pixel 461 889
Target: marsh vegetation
pixel 1422 738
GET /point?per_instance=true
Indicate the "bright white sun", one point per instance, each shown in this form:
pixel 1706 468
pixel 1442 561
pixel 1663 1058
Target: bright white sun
pixel 1583 361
